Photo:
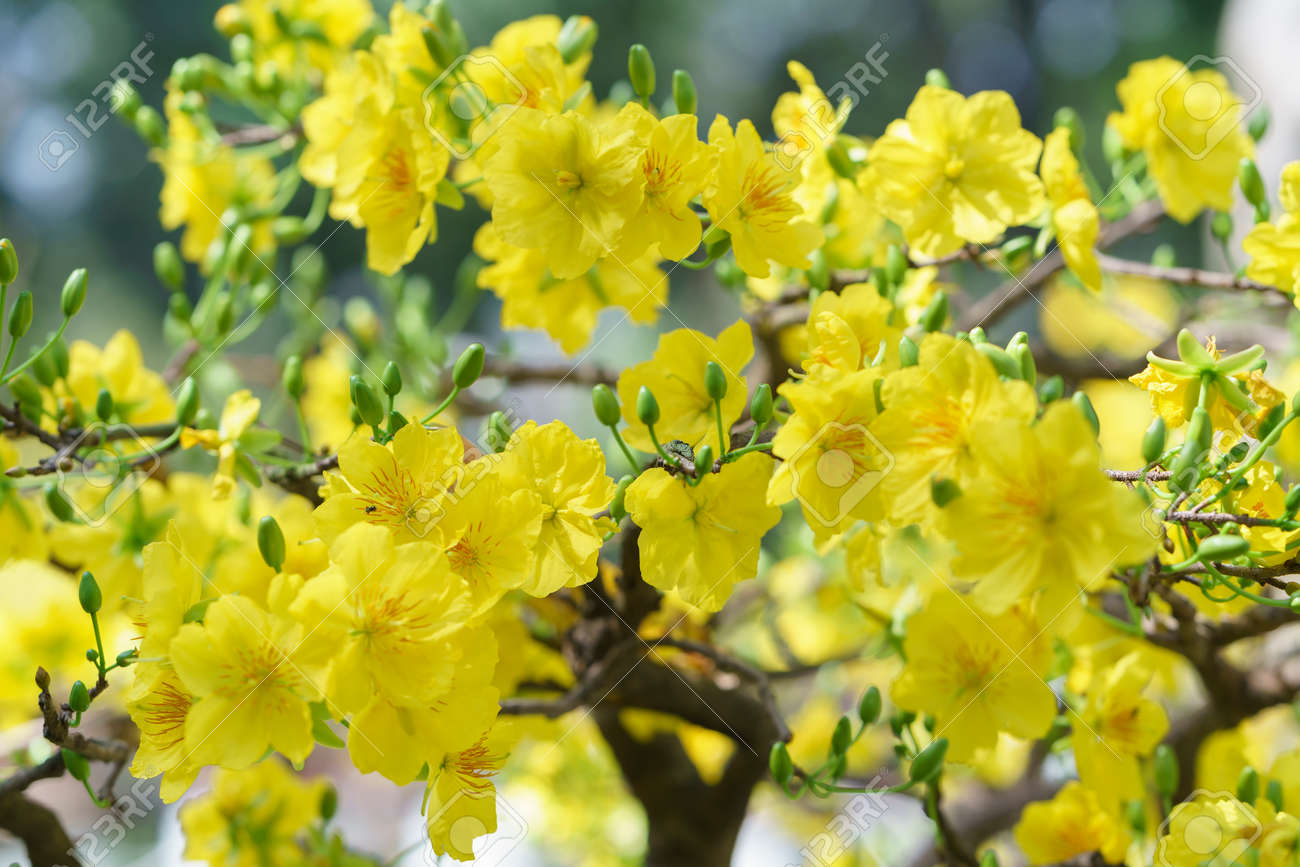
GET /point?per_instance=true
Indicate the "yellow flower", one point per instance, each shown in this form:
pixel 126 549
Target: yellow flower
pixel 1129 316
pixel 568 476
pixel 490 534
pixel 675 373
pixel 560 184
pixel 460 801
pixel 702 540
pixel 933 410
pixel 338 23
pixel 391 615
pixel 1174 397
pixel 1074 217
pixel 1042 514
pixel 158 706
pixel 567 310
pixel 249 671
pixel 202 178
pixel 39 615
pixel 1117 728
pixel 848 330
pixel 1187 122
pixel 1072 823
pixel 955 170
pixel 750 197
pixel 237 416
pixel 171 585
pixel 1214 830
pixel 253 818
pixel 398 486
pixel 1274 247
pixel 806 119
pixel 675 165
pixel 830 460
pixel 972 674
pixel 140 396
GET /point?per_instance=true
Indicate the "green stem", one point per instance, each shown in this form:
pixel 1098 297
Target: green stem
pixel 723 442
pixel 627 453
pixel 99 646
pixel 669 459
pixel 1251 459
pixel 756 447
pixel 446 402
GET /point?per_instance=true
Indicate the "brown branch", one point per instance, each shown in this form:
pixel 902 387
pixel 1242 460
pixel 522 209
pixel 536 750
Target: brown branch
pixel 260 134
pixel 521 373
pixel 1188 276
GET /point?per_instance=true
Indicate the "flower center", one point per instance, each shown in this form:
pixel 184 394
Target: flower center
pixel 953 168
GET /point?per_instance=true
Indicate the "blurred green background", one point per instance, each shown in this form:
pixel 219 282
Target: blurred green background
pixel 99 207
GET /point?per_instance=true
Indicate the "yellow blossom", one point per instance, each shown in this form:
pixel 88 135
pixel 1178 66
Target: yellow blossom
pixel 1074 217
pixel 1117 728
pixel 1072 823
pixel 237 416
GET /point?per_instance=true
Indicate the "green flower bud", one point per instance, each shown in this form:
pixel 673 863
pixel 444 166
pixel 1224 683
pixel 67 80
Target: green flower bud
pixel 935 314
pixel 88 594
pixel 617 508
pixel 291 378
pixel 837 154
pixel 1248 786
pixel 842 736
pixel 1238 452
pixel 1002 361
pixel 977 336
pixel 929 762
pixel 1166 767
pixel 1052 389
pixel 908 352
pixel 20 315
pixel 78 765
pixel 647 408
pixel 1252 185
pixel 392 379
pixel 366 402
pixel 187 402
pixel 1164 256
pixel 92 655
pixel 59 353
pixel 1221 225
pixel 1153 441
pixel 715 380
pixel 1112 144
pixel 79 697
pixel 1220 547
pixel 396 421
pixel 498 431
pixel 1293 500
pixel 1273 791
pixel 289 230
pixel 104 405
pixel 149 124
pixel 168 266
pixel 43 369
pixel 576 37
pixel 989 858
pixel 1069 118
pixel 1082 401
pixel 469 367
pixel 270 541
pixel 58 504
pixel 329 802
pixel 869 707
pixel 760 405
pixel 179 308
pixel 8 262
pixel 1258 124
pixel 943 491
pixel 125 658
pixel 1028 370
pixel 684 95
pixel 895 265
pixel 605 404
pixel 937 78
pixel 704 461
pixel 819 271
pixel 641 70
pixel 223 313
pixel 780 764
pixel 26 392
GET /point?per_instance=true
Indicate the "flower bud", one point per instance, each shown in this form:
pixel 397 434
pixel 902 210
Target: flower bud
pixel 715 380
pixel 943 491
pixel 179 308
pixel 8 262
pixel 187 402
pixel 937 78
pixel 605 404
pixel 43 369
pixel 78 765
pixel 1002 361
pixel 58 504
pixel 79 697
pixel 20 315
pixel 684 96
pixel 329 802
pixel 935 314
pixel 1069 118
pixel 988 858
pixel 1273 791
pixel 498 431
pixel 842 736
pixel 1028 370
pixel 929 762
pixel 1258 124
pixel 1084 404
pixel 392 379
pixel 1220 547
pixel 270 541
pixel 1221 225
pixel 1112 145
pixel 1293 500
pixel 1052 389
pixel 1166 766
pixel 617 507
pixel 1248 786
pixel 1252 185
pixel 704 461
pixel 289 230
pixel 167 265
pixel 366 402
pixel 88 594
pixel 125 658
pixel 895 265
pixel 869 707
pixel 780 764
pixel 1153 441
pixel 231 20
pixel 468 367
pixel 760 405
pixel 641 70
pixel 576 37
pixel 837 154
pixel 647 408
pixel 149 124
pixel 819 271
pixel 104 405
pixel 74 293
pixel 291 378
pixel 908 352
